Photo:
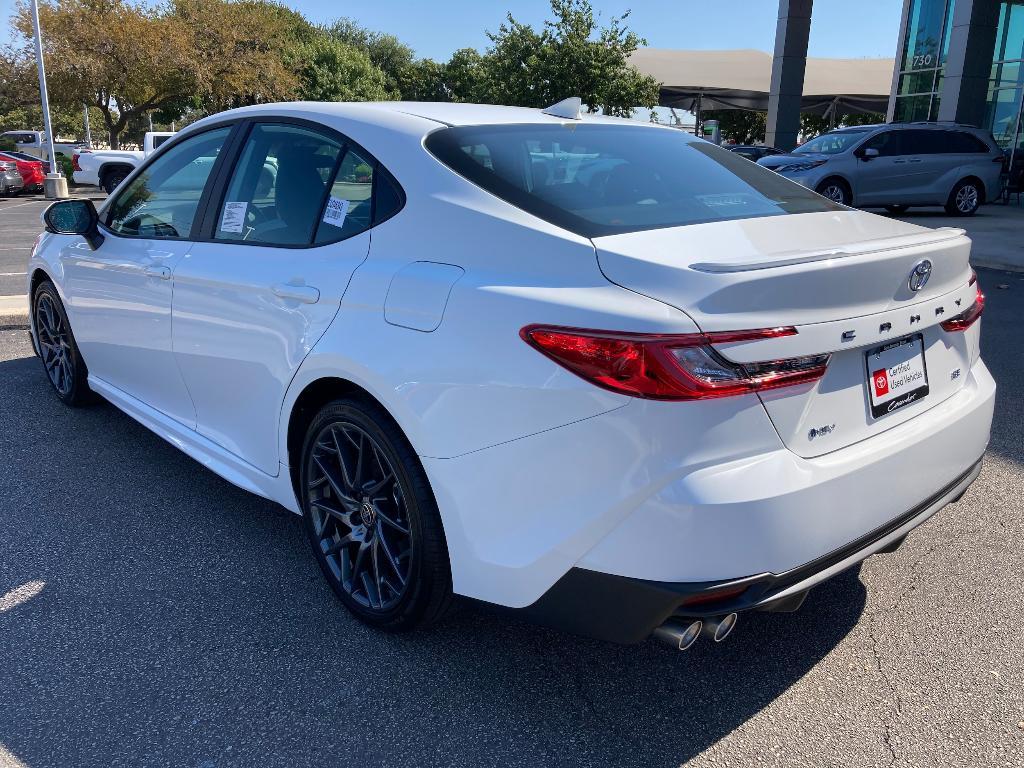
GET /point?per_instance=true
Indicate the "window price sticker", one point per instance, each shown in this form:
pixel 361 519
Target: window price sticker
pixel 233 218
pixel 337 210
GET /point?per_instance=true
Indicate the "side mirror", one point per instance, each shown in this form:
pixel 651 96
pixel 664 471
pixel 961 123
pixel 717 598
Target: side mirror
pixel 867 154
pixel 74 217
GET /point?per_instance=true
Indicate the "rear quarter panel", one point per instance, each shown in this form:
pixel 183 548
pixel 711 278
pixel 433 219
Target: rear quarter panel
pixel 472 382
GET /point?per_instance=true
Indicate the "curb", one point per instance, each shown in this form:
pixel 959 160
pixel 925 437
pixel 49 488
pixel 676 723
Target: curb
pixel 13 313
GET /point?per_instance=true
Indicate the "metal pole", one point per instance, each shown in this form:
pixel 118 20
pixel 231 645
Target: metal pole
pixel 696 114
pixel 88 133
pixel 150 116
pixel 54 165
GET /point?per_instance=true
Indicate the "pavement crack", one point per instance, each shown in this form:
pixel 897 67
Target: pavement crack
pixel 887 722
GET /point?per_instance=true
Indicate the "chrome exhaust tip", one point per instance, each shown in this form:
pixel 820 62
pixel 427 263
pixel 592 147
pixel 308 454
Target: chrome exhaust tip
pixel 719 627
pixel 679 636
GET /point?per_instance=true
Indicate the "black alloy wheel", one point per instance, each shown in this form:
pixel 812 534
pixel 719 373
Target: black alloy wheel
pixel 372 520
pixel 112 179
pixel 64 366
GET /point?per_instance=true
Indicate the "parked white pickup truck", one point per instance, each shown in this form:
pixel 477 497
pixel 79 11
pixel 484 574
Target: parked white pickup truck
pixel 108 167
pixel 34 143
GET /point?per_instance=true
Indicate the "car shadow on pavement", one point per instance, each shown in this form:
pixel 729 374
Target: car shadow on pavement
pixel 153 614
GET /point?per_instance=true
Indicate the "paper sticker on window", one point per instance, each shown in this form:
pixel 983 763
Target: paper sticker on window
pixel 337 210
pixel 233 219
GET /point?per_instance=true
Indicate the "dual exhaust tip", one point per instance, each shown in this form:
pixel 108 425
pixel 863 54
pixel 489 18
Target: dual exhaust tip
pixel 682 635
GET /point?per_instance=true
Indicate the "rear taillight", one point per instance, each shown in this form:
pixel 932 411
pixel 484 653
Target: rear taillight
pixel 74 162
pixel 670 366
pixel 969 316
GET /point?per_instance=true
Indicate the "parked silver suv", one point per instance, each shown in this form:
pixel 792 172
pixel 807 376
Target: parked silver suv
pixel 898 165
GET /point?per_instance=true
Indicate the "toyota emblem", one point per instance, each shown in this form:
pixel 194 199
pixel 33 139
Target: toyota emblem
pixel 919 275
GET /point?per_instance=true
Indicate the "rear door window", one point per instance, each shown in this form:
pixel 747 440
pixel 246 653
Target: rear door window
pixel 279 186
pixel 604 179
pixel 962 143
pixel 297 186
pixel 919 142
pixel 349 208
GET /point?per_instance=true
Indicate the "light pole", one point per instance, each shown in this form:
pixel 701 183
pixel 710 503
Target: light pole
pixel 42 83
pixel 85 121
pixel 55 183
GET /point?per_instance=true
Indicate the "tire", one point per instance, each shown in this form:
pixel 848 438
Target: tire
pixel 896 210
pixel 65 369
pixel 836 190
pixel 112 179
pixel 965 199
pixel 379 543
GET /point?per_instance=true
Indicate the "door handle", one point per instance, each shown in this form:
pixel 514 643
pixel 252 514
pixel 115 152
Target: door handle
pixel 164 273
pixel 914 160
pixel 898 162
pixel 307 294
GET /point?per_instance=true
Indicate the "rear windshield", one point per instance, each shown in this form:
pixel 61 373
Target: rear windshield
pixel 598 180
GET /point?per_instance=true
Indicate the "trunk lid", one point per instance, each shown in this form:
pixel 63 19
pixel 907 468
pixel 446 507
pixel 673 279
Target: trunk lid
pixel 841 278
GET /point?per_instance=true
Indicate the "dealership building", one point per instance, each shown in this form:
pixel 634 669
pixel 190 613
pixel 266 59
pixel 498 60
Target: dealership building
pixel 956 60
pixel 961 60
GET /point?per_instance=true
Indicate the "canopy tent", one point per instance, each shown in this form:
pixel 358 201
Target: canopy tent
pixel 702 80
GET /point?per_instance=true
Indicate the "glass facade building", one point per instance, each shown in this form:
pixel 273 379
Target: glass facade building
pixel 923 56
pixel 1006 84
pixel 925 51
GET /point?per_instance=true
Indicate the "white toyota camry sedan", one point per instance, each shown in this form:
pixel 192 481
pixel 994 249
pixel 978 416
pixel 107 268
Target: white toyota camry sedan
pixel 595 371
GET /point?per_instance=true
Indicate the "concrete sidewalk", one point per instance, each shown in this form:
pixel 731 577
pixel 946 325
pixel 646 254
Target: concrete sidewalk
pixel 13 312
pixel 997 232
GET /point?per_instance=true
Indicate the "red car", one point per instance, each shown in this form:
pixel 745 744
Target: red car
pixel 30 168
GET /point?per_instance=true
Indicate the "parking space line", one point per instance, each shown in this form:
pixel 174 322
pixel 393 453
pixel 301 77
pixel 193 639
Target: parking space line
pixel 13 274
pixel 19 205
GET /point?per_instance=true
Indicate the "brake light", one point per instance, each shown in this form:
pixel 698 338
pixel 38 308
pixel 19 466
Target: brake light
pixel 74 162
pixel 670 366
pixel 969 316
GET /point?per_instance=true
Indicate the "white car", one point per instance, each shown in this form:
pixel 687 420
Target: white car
pixel 596 370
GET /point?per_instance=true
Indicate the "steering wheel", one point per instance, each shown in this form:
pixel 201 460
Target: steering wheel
pixel 156 227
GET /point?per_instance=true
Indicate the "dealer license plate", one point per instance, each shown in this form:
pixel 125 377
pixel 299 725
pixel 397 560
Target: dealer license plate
pixel 897 375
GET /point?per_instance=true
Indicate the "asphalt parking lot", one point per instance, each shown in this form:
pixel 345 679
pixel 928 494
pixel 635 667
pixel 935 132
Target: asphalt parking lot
pixel 19 225
pixel 151 614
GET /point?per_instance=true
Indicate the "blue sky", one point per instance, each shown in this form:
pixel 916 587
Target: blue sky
pixel 840 28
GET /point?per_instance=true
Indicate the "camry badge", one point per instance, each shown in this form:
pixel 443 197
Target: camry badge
pixel 919 275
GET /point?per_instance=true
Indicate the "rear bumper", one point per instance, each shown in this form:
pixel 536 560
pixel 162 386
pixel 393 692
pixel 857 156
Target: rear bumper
pixel 678 497
pixel 620 609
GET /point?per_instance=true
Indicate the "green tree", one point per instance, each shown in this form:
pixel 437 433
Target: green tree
pixel 569 56
pixel 465 77
pixel 117 55
pixel 18 85
pixel 741 125
pixel 243 52
pixel 389 54
pixel 331 70
pixel 424 80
